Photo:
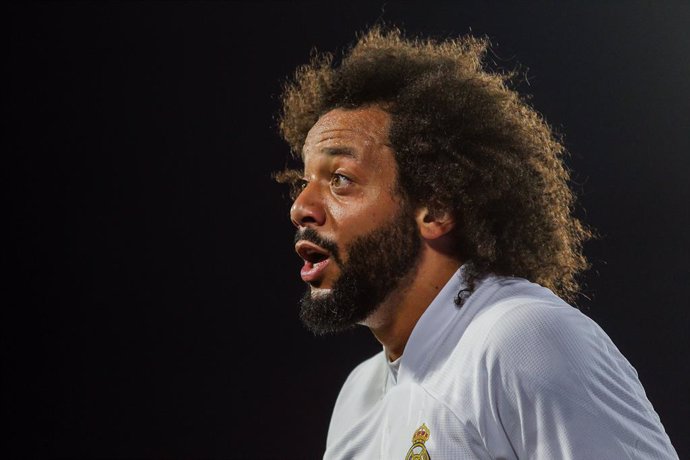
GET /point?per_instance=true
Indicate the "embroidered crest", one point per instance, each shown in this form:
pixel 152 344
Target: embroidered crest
pixel 418 450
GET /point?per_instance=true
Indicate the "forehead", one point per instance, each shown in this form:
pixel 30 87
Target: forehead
pixel 355 129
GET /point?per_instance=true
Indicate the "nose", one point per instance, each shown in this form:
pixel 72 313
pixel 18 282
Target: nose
pixel 307 209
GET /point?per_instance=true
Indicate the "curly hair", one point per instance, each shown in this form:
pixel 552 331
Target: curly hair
pixel 465 143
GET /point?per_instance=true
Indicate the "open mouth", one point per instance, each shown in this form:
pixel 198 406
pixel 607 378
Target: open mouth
pixel 315 261
pixel 310 252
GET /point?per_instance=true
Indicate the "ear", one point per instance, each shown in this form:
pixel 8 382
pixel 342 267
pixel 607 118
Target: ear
pixel 433 224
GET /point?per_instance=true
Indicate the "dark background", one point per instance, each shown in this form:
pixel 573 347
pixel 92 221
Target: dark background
pixel 151 303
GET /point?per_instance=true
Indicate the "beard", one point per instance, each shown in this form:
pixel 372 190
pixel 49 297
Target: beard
pixel 377 262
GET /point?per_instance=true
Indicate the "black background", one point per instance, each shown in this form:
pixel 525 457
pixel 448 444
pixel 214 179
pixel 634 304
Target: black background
pixel 151 303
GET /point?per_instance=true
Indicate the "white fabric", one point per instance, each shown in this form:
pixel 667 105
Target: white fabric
pixel 515 373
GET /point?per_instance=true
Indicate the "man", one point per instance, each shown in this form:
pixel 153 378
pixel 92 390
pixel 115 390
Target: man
pixel 433 207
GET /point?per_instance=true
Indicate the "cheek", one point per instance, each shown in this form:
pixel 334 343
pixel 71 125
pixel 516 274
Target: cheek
pixel 353 216
pixel 374 204
pixel 356 219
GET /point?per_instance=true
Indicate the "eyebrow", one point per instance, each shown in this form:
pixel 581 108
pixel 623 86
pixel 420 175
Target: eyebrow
pixel 339 152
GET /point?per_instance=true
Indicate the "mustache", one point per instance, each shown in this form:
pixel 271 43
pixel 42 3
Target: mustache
pixel 311 235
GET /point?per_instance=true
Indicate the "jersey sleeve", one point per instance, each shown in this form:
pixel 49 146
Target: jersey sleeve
pixel 561 389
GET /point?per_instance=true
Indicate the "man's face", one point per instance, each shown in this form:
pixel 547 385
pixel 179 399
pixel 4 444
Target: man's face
pixel 356 236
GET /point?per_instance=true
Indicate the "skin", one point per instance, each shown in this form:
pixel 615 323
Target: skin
pixel 350 177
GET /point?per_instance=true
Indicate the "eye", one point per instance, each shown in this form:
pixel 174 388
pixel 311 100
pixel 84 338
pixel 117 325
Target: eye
pixel 339 180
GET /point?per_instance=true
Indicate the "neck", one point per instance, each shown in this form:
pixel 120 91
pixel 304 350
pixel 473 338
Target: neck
pixel 392 323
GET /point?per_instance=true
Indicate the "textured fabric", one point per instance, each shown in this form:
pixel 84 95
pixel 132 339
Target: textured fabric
pixel 516 373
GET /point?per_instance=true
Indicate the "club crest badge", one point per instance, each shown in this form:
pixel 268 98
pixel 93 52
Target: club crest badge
pixel 418 450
